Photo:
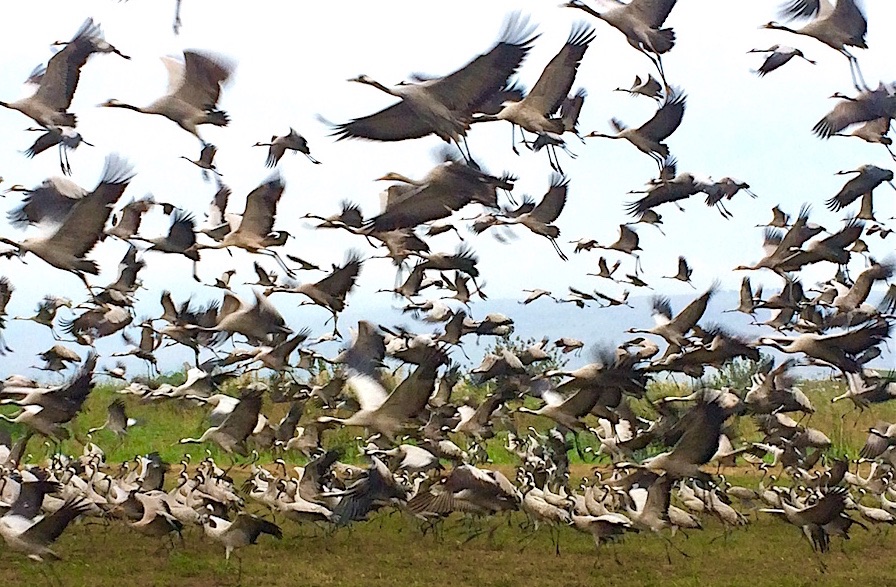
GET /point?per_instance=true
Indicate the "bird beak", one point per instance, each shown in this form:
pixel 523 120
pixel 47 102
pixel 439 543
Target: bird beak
pixel 891 185
pixel 86 143
pixel 312 159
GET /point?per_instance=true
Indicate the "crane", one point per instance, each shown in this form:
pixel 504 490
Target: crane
pixel 194 88
pixel 444 106
pixel 838 27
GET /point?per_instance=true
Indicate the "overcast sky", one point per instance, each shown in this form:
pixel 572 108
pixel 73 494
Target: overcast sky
pixel 293 60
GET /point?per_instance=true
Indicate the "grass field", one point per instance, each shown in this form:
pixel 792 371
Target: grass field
pixel 390 549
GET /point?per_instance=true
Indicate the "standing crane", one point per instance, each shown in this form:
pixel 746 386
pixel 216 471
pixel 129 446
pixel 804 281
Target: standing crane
pixel 242 531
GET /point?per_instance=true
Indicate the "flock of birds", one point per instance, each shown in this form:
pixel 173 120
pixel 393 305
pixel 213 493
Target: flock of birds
pixel 417 427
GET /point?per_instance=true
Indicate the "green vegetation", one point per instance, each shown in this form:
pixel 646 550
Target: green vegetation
pixel 391 549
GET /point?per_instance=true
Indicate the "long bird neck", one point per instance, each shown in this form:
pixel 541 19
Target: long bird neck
pixel 780 27
pixel 405 179
pixel 595 13
pixel 379 86
pixel 128 107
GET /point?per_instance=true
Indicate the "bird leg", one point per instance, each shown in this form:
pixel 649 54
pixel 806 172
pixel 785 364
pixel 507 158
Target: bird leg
pixel 672 544
pixel 529 540
pixel 83 279
pixel 555 163
pixel 66 168
pixel 279 260
pixel 177 23
pixel 557 248
pixel 855 72
pixel 658 63
pixel 335 318
pixel 615 553
pixel 555 535
pixel 45 570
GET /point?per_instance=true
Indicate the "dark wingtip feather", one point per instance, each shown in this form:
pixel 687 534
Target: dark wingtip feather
pixel 117 170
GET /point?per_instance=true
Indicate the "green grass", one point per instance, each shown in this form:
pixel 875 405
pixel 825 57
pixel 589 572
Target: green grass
pixel 390 550
pixel 162 423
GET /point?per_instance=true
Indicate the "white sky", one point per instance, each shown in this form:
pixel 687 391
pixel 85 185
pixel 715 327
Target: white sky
pixel 293 59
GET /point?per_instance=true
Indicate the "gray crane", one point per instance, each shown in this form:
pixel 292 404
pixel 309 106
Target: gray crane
pixel 206 161
pixel 117 420
pixel 232 433
pixel 242 531
pixel 675 330
pixel 446 188
pixel 444 106
pixel 649 137
pixel 838 27
pixel 82 227
pixel 778 56
pixel 279 145
pixel 331 291
pixel 389 413
pixel 640 22
pixel 33 537
pixel 539 219
pixel 868 105
pixel 869 177
pixel 48 106
pixel 837 350
pixel 194 87
pixel 253 233
pixel 534 112
pixel 648 87
pixel 6 291
pixel 65 139
pixel 49 202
